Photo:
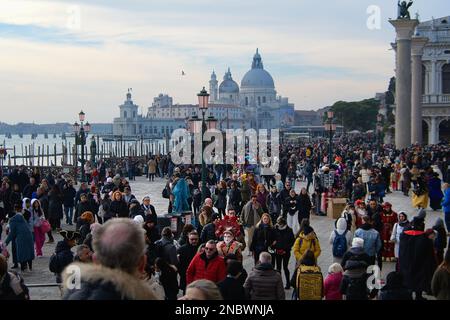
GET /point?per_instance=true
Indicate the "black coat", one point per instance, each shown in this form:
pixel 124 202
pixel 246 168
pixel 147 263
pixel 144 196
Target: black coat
pixel 208 233
pixel 274 203
pixel 285 239
pixel 169 282
pixel 55 206
pixel 43 199
pixel 416 259
pixel 185 255
pixel 232 289
pixel 235 199
pixel 262 238
pixel 221 201
pixel 304 207
pixel 64 257
pixel 355 254
pixel 69 194
pixel 28 190
pixel 119 209
pixel 82 207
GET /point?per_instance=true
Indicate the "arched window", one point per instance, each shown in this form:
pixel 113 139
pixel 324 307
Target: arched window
pixel 246 101
pixel 259 101
pixel 124 114
pixel 446 79
pixel 264 99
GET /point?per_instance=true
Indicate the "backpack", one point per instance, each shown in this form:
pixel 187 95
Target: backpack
pixel 357 288
pixel 53 264
pixel 339 244
pixel 309 283
pixel 159 249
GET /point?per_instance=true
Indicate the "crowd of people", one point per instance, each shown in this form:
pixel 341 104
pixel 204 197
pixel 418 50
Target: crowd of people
pixel 242 212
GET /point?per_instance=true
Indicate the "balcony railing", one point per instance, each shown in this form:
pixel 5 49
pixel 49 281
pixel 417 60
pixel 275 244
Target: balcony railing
pixel 435 98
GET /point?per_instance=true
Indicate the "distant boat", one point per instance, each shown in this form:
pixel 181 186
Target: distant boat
pixel 45 135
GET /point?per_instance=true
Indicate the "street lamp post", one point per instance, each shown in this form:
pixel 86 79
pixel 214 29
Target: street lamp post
pixel 330 126
pixel 203 99
pixel 80 139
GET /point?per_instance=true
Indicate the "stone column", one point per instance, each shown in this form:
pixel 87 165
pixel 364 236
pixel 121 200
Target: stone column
pixel 433 132
pixel 404 29
pixel 418 44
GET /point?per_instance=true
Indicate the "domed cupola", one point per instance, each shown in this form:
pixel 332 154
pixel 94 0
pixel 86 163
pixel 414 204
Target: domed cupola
pixel 257 77
pixel 228 85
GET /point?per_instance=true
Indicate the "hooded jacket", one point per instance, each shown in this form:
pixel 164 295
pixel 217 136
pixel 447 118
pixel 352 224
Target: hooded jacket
pixel 355 254
pixel 102 283
pixel 264 283
pixel 353 284
pixel 306 240
pixel 341 228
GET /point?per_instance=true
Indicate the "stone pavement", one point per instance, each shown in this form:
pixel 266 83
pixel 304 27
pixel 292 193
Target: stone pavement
pixel 141 187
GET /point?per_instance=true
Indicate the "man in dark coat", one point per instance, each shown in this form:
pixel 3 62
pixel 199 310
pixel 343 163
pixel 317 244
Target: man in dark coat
pixel 30 189
pixel 185 255
pixel 416 258
pixel 231 288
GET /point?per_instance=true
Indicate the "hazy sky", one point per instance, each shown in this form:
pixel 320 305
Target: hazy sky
pixel 57 57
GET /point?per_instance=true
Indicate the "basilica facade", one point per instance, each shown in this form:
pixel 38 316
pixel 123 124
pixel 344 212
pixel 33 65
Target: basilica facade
pixel 253 104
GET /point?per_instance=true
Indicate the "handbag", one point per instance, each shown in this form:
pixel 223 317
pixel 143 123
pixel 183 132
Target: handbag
pixel 45 226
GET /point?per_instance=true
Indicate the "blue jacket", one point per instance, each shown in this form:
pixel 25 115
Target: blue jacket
pixel 446 201
pixel 19 231
pixel 372 242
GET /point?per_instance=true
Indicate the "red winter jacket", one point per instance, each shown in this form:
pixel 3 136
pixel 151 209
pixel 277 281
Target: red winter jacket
pixel 332 285
pixel 201 268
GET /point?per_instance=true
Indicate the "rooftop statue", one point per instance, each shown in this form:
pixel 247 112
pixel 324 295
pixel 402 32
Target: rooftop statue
pixel 403 12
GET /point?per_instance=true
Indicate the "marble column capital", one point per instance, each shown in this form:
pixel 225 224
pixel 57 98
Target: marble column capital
pixel 404 28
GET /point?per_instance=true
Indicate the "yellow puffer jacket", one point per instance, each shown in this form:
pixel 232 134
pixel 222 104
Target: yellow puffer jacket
pixel 305 242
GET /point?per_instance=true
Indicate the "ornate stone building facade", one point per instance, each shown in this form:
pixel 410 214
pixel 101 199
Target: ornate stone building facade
pixel 436 79
pixel 254 104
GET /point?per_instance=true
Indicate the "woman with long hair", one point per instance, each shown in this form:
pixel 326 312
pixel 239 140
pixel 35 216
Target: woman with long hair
pixel 306 239
pixel 264 237
pixel 55 207
pixel 38 217
pixel 261 196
